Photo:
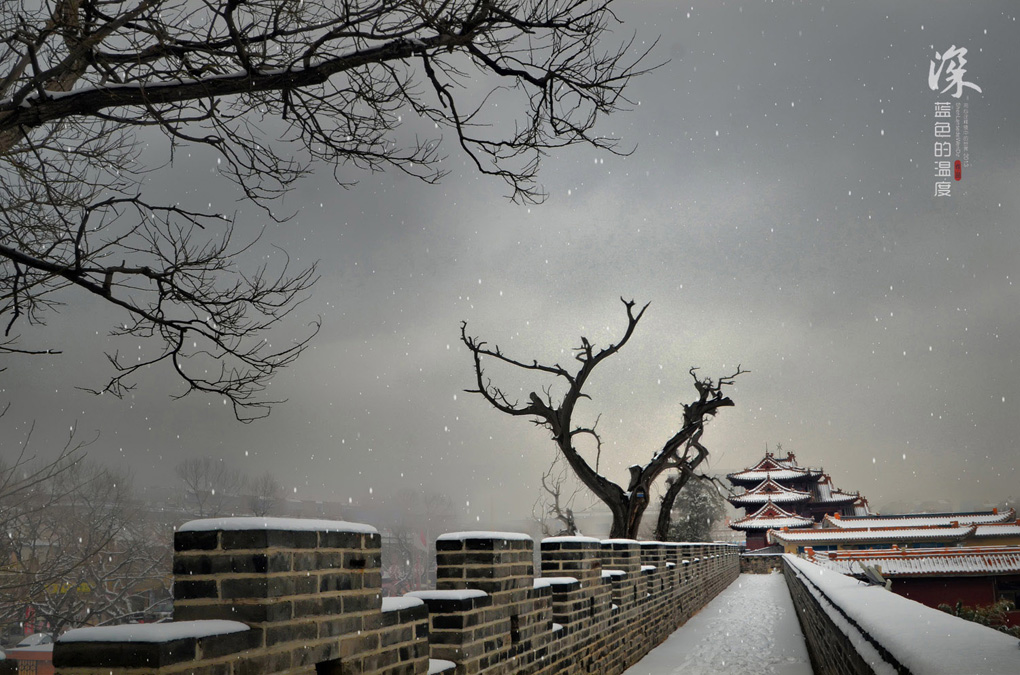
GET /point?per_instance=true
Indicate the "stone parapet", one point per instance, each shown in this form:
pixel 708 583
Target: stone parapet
pixel 304 597
pixel 859 629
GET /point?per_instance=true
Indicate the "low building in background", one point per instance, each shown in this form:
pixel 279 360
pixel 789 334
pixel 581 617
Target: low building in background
pixel 975 576
pixel 921 530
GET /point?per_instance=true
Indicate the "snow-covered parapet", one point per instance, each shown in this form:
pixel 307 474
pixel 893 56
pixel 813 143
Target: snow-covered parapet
pixel 622 554
pixel 451 601
pixel 279 524
pixel 555 581
pixel 240 568
pixel 263 595
pixel 575 539
pixel 578 557
pixel 154 632
pixel 397 604
pixel 895 634
pixel 499 563
pixel 287 595
pixel 440 666
pixel 151 645
pixel 484 535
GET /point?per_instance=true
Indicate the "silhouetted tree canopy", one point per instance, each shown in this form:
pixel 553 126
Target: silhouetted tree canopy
pixel 271 86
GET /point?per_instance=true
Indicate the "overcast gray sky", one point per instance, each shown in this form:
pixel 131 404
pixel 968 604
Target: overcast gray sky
pixel 778 212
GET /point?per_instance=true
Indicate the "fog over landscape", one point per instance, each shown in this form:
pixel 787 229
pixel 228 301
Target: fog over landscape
pixel 777 211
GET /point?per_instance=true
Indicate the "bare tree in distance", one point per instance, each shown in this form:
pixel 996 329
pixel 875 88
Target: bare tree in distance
pixel 208 486
pixel 554 509
pixel 333 81
pixel 263 494
pixel 410 558
pixel 23 479
pixel 627 504
pixel 77 551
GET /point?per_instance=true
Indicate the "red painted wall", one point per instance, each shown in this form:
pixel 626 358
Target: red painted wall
pixel 933 591
pixel 972 591
pixel 755 540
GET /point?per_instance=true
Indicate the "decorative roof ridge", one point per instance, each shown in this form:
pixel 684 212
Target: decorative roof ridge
pixel 837 495
pixel 799 471
pixel 894 528
pixel 757 521
pixel 771 481
pixel 890 535
pixel 941 514
pixel 1007 518
pixel 781 513
pixel 1006 523
pixel 941 552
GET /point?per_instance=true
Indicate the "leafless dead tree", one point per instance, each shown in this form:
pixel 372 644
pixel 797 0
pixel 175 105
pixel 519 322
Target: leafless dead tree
pixel 554 509
pixel 24 479
pixel 627 505
pixel 208 485
pixel 263 494
pixel 76 549
pixel 333 80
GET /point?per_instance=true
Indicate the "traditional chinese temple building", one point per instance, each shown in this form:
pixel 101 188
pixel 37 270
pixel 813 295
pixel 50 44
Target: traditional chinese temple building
pixel 971 558
pixel 780 494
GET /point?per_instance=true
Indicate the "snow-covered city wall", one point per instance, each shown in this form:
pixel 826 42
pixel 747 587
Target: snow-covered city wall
pixel 855 628
pixel 258 596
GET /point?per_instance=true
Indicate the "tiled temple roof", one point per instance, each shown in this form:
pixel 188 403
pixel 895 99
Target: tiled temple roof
pixel 976 560
pixel 999 530
pixel 921 519
pixel 769 490
pixel 771 467
pixel 879 535
pixel 826 493
pixel 771 516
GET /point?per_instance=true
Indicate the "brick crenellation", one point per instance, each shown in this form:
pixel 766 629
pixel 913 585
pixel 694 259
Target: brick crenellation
pixel 309 601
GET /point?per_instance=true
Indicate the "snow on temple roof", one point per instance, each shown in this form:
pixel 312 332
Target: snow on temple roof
pixel 754 476
pixel 924 562
pixel 921 519
pixel 861 508
pixel 772 467
pixel 771 516
pixel 873 535
pixel 826 493
pixel 999 530
pixel 770 490
pixel 789 462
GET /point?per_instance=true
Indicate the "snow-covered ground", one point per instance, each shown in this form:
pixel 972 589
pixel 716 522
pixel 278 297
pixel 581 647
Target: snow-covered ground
pixel 751 627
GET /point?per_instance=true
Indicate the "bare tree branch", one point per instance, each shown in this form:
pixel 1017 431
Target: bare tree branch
pixel 554 505
pixel 264 494
pixel 627 506
pixel 208 486
pixel 76 549
pixel 270 87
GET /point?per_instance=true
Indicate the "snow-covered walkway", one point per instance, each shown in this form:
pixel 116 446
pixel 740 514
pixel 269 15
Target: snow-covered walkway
pixel 751 627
